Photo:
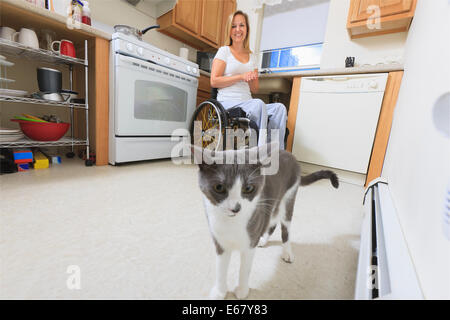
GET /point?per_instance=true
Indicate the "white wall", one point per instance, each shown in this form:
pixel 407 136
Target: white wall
pixel 255 19
pixel 417 163
pixel 112 12
pixel 338 45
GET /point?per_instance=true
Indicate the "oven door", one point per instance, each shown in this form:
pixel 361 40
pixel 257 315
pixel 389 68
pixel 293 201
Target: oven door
pixel 151 100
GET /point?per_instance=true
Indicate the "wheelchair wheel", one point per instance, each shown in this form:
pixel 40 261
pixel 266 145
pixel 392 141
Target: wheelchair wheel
pixel 212 118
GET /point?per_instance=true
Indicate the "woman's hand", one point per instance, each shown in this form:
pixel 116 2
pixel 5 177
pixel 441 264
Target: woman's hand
pixel 249 76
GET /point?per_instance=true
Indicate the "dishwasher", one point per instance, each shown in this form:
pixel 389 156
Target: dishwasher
pixel 337 119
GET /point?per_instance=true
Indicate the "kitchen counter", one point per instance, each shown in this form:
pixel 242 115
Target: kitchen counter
pixel 330 71
pixel 335 71
pixel 31 9
pixel 205 73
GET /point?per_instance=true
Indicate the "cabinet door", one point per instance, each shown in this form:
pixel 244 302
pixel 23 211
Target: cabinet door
pixel 359 8
pixel 212 12
pixel 229 7
pixel 187 15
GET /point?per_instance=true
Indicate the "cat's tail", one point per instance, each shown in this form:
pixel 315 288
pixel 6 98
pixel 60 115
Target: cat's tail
pixel 319 175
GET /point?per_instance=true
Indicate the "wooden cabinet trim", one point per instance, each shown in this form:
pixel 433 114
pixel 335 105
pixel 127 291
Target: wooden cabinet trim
pixel 101 101
pixel 384 125
pixel 292 114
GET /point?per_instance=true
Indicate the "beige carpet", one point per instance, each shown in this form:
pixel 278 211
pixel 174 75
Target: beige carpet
pixel 138 231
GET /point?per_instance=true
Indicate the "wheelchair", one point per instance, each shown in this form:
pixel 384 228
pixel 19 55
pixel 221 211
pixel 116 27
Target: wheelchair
pixel 214 123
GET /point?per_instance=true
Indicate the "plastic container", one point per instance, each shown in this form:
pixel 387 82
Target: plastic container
pixel 43 131
pixel 86 13
pixel 76 16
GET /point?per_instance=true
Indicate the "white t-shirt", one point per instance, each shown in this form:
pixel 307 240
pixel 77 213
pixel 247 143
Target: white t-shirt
pixel 240 91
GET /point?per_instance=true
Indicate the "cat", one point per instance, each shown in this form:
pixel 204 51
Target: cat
pixel 243 206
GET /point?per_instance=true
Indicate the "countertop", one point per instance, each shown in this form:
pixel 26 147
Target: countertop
pixel 332 71
pixel 335 71
pixel 85 29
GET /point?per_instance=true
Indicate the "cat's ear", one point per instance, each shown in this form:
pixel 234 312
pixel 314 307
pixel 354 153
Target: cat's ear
pixel 202 157
pixel 267 151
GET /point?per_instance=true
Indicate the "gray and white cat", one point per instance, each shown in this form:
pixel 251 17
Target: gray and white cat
pixel 243 207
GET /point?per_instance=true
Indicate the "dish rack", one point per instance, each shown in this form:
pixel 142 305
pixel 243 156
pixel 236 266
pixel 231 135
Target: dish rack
pixel 21 51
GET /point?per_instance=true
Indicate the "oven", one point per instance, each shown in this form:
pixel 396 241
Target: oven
pixel 152 100
pixel 153 96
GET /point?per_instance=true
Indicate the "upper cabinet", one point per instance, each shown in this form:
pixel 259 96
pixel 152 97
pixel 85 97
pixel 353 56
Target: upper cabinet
pixel 375 17
pixel 198 23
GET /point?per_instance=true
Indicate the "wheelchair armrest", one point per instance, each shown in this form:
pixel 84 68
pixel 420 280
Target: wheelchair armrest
pixel 214 92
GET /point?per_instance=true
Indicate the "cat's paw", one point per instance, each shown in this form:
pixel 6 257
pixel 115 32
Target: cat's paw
pixel 288 256
pixel 217 294
pixel 241 292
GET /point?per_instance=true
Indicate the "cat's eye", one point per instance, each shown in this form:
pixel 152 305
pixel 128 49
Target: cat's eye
pixel 220 188
pixel 248 189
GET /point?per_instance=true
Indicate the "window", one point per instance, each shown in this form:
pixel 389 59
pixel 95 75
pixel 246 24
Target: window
pixel 292 34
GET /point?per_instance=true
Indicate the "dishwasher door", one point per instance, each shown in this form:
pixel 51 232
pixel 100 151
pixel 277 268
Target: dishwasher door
pixel 337 119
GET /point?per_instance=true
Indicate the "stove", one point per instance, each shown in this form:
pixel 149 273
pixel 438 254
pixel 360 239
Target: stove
pixel 152 98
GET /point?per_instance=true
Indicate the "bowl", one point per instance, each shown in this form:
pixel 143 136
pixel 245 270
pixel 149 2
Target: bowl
pixel 43 131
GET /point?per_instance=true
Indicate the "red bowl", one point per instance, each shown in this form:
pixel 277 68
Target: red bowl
pixel 43 131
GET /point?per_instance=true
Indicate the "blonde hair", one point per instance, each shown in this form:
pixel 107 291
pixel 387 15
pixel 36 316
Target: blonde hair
pixel 228 40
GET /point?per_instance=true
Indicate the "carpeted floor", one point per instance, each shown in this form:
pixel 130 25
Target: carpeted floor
pixel 138 231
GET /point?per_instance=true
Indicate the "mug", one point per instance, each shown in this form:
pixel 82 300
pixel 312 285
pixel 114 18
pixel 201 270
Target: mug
pixel 65 47
pixel 27 37
pixel 7 33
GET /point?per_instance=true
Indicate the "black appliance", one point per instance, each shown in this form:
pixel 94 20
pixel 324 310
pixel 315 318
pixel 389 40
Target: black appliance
pixel 205 59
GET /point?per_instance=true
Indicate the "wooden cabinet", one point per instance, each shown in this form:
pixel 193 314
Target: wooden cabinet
pixel 198 23
pixel 229 7
pixel 187 14
pixel 204 89
pixel 375 17
pixel 212 12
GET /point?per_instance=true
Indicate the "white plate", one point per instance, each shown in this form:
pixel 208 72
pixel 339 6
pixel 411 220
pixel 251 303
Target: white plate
pixel 11 138
pixel 13 93
pixel 7 131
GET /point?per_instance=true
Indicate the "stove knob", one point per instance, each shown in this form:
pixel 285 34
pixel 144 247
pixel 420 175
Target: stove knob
pixel 188 68
pixel 194 70
pixel 140 51
pixel 129 47
pixel 167 60
pixel 373 84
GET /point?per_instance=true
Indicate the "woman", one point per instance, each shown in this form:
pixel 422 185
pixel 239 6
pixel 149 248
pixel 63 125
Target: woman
pixel 234 72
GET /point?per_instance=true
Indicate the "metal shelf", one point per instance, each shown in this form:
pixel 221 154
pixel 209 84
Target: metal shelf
pixel 22 51
pixel 42 102
pixel 25 142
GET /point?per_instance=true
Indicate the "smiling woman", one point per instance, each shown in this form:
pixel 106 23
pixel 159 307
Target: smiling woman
pixel 234 72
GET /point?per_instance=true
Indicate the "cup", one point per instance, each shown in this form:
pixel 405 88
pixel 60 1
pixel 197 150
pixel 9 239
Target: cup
pixel 184 53
pixel 27 37
pixel 46 39
pixel 7 33
pixel 65 47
